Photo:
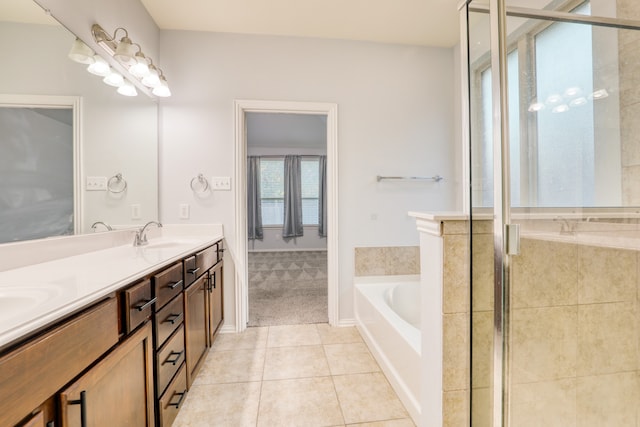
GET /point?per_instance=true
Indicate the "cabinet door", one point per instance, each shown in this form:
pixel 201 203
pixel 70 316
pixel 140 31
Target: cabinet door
pixel 195 319
pixel 215 301
pixel 118 391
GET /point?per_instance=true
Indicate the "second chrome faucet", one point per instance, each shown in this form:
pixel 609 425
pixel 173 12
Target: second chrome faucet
pixel 141 235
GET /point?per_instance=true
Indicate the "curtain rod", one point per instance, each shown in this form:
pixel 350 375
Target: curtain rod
pixel 281 156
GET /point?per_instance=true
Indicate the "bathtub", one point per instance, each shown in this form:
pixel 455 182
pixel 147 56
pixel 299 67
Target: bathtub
pixel 387 310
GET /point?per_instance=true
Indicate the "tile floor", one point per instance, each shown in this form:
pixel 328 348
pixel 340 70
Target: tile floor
pixel 299 375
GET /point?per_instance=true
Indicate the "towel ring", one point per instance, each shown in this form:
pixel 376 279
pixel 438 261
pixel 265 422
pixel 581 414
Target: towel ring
pixel 200 179
pixel 117 184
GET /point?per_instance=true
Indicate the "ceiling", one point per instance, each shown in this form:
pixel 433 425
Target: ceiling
pixel 414 22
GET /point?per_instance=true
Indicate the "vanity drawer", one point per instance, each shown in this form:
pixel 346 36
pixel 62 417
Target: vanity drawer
pixel 191 271
pixel 169 359
pixel 168 284
pixel 168 319
pixel 173 398
pixel 38 369
pixel 137 304
pixel 206 259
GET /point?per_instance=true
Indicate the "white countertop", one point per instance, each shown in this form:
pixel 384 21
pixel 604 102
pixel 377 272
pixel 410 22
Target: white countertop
pixel 36 295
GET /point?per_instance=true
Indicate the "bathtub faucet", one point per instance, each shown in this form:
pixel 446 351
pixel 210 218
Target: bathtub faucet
pixel 566 228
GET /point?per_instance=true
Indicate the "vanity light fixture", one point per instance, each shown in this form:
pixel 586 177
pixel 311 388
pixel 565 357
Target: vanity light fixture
pixel 162 90
pixel 99 67
pixel 80 52
pixel 135 62
pixel 114 79
pixel 127 89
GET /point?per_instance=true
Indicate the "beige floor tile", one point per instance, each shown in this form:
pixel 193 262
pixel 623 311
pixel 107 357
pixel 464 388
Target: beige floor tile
pixel 220 405
pixel 295 362
pixel 367 397
pixel 404 422
pixel 338 335
pixel 292 335
pixel 351 358
pixel 250 338
pixel 232 366
pixel 299 402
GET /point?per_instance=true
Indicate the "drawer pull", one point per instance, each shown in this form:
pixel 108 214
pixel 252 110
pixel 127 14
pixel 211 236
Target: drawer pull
pixel 177 404
pixel 174 284
pixel 146 304
pixel 176 357
pixel 172 318
pixel 193 270
pixel 83 407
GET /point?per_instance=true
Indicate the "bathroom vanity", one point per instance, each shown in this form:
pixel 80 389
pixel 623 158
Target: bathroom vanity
pixel 110 337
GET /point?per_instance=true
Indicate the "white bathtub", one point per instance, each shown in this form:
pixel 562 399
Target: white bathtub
pixel 388 317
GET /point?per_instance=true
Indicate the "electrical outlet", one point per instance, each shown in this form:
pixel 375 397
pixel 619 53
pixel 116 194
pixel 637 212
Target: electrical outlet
pixel 135 211
pixel 221 183
pixel 184 211
pixel 96 183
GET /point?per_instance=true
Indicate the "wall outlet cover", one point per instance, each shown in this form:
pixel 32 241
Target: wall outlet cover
pixel 184 211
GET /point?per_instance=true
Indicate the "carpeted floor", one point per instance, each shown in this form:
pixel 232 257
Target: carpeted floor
pixel 287 288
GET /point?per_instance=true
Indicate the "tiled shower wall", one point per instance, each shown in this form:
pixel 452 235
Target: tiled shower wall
pixel 387 261
pixel 629 60
pixel 574 333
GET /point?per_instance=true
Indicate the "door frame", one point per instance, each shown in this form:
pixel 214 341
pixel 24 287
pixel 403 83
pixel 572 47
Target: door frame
pixel 242 107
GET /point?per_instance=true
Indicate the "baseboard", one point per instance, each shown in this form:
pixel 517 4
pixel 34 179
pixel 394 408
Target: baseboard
pixel 346 322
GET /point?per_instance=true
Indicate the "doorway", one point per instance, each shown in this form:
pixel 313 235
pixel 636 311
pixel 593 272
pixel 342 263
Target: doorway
pixel 328 113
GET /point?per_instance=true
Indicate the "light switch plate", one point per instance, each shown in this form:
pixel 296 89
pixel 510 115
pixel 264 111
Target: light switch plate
pixel 221 183
pixel 135 211
pixel 96 183
pixel 184 211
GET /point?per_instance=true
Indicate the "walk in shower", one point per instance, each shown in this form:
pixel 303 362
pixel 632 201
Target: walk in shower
pixel 554 137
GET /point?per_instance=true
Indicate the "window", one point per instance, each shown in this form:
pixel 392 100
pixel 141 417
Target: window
pixel 272 190
pixel 552 118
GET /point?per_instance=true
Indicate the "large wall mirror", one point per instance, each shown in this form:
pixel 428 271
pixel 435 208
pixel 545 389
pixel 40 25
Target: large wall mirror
pixel 117 135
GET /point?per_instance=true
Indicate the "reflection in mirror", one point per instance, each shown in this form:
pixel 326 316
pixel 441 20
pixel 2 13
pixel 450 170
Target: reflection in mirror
pixel 118 134
pixel 36 171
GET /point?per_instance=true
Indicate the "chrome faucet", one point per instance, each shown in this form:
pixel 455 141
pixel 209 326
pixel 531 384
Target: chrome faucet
pixel 566 227
pixel 141 235
pixel 94 226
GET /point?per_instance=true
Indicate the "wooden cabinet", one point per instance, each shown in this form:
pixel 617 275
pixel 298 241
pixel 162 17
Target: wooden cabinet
pixel 137 305
pixel 214 302
pixel 172 399
pixel 35 371
pixel 117 391
pixel 127 360
pixel 195 312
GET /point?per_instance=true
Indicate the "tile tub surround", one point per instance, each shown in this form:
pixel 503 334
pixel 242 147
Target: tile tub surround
pixel 387 261
pixel 575 325
pixel 58 287
pixel 308 375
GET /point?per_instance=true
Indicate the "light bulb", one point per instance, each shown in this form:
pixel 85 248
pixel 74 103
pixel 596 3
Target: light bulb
pixel 114 79
pixel 127 89
pixel 99 67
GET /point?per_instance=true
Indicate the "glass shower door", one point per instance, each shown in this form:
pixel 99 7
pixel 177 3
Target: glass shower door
pixel 569 306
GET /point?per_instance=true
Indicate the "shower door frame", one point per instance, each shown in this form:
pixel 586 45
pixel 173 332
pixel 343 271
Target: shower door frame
pixel 504 231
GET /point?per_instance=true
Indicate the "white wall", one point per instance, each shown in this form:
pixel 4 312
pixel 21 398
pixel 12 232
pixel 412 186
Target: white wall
pixel 395 117
pixel 119 134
